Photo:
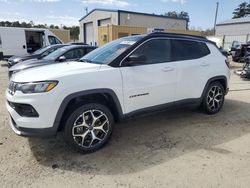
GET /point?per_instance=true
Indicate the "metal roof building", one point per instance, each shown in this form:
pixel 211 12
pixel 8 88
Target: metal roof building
pixel 234 30
pixel 101 17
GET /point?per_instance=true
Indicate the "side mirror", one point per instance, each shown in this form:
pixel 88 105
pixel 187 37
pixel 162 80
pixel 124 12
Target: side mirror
pixel 62 58
pixel 135 60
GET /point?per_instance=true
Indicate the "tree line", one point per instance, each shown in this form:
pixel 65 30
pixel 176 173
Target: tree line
pixel 243 10
pixel 74 30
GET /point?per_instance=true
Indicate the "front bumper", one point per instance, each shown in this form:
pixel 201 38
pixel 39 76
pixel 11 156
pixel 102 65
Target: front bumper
pixel 42 126
pixel 29 132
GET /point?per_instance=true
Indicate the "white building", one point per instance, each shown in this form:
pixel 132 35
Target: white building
pixel 100 17
pixel 234 30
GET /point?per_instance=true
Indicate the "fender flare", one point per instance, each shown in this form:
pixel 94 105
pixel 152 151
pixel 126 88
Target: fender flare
pixel 216 78
pixel 68 98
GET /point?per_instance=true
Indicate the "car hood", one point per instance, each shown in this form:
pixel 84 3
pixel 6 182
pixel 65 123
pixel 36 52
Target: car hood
pixel 54 71
pixel 24 57
pixel 29 64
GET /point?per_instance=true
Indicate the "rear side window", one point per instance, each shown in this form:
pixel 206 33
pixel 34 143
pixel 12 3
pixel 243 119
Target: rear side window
pixel 187 50
pixel 155 51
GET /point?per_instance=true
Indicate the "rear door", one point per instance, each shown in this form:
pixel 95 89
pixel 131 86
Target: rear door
pixel 13 41
pixel 153 82
pixel 193 62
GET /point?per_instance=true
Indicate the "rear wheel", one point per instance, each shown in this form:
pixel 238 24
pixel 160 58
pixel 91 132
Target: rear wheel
pixel 88 127
pixel 214 98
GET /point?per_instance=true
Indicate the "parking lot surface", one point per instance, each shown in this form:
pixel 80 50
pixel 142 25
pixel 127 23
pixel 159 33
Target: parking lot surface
pixel 177 148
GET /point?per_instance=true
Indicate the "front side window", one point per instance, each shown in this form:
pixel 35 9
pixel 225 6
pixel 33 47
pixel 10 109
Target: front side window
pixel 154 51
pixel 57 53
pixel 53 40
pixel 187 50
pixel 70 54
pixel 79 53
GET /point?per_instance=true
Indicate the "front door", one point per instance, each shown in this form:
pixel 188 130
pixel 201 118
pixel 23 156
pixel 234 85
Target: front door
pixel 150 82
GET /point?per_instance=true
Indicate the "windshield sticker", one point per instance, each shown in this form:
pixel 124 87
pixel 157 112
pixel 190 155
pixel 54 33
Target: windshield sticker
pixel 128 42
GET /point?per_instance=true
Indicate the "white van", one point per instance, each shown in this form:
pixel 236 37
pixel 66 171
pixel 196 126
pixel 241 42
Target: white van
pixel 21 41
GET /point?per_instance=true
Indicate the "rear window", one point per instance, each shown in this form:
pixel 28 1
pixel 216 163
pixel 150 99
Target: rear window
pixel 187 50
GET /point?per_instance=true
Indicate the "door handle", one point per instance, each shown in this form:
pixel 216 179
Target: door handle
pixel 167 69
pixel 204 64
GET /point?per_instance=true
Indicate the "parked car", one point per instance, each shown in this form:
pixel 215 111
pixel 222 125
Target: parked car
pixel 20 41
pixel 128 76
pixel 245 73
pixel 39 54
pixel 67 53
pixel 239 51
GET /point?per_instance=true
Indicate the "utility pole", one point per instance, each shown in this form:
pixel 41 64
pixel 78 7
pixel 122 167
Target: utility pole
pixel 86 10
pixel 216 15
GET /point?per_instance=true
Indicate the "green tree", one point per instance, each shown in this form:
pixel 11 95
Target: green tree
pixel 242 10
pixel 173 14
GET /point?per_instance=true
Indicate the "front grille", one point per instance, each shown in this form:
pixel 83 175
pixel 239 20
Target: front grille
pixel 12 87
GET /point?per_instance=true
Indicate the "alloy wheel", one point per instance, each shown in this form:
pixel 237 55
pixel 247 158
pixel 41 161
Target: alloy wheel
pixel 90 128
pixel 215 98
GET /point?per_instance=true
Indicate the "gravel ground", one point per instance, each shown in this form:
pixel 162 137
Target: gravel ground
pixel 180 148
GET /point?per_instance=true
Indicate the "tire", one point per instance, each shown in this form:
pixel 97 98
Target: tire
pixel 91 133
pixel 213 99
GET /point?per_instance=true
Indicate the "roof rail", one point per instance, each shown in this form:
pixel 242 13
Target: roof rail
pixel 177 34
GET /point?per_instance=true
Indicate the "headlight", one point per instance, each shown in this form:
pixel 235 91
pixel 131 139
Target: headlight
pixel 17 60
pixel 35 87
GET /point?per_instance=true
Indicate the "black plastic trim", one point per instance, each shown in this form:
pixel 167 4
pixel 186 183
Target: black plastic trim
pixel 66 101
pixel 32 132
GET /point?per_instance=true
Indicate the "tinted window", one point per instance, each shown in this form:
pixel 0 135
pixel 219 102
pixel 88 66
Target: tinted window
pixel 186 50
pixel 79 53
pixel 155 51
pixel 75 53
pixel 89 50
pixel 70 54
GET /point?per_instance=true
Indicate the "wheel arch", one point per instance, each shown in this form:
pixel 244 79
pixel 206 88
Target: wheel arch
pixel 221 79
pixel 106 97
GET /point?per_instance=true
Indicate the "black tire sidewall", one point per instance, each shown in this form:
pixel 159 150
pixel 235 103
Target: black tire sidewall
pixel 204 103
pixel 67 133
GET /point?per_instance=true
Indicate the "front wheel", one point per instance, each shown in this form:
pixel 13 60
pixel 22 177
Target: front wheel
pixel 214 98
pixel 88 127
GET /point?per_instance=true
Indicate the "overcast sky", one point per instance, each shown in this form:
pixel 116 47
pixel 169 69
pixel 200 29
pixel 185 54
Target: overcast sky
pixel 68 12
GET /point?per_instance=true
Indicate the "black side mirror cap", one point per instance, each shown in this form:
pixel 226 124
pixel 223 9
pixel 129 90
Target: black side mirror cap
pixel 135 60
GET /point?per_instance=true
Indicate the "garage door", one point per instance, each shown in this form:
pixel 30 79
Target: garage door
pixel 89 33
pixel 104 22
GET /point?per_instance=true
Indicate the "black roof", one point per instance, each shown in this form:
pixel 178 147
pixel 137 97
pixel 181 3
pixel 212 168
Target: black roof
pixel 179 35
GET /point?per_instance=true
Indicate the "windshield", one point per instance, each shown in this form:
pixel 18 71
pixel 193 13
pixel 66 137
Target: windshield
pixel 41 50
pixel 54 55
pixel 110 51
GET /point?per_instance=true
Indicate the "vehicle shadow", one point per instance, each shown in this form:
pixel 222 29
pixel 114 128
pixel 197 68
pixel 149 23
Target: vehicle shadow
pixel 144 142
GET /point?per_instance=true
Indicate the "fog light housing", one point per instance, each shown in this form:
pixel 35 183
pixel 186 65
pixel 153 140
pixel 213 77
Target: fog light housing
pixel 24 110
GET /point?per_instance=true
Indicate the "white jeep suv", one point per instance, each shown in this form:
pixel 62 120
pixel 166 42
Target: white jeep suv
pixel 128 76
